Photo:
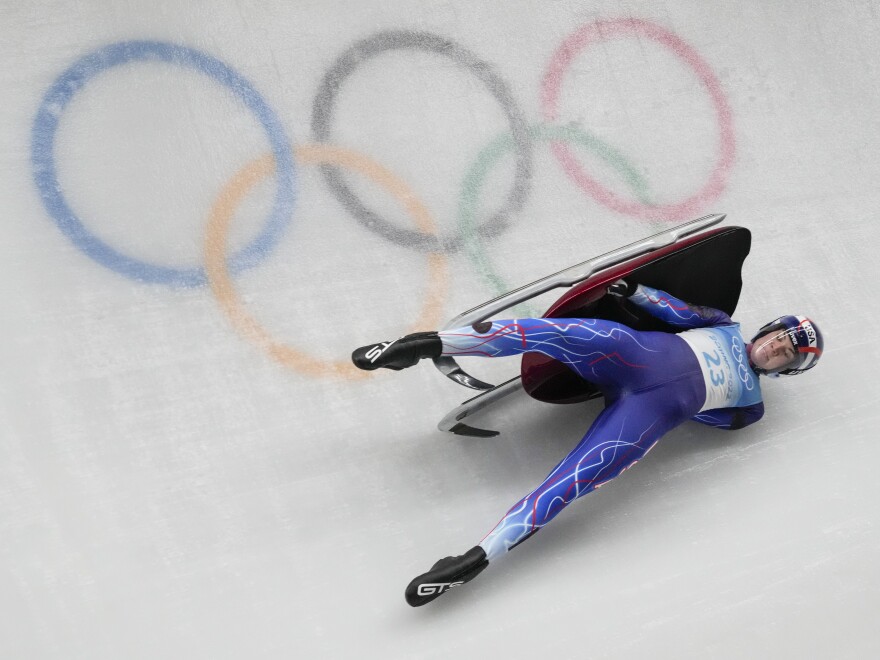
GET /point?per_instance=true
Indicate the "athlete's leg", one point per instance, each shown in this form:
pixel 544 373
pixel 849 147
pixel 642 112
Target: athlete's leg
pixel 622 434
pixel 603 352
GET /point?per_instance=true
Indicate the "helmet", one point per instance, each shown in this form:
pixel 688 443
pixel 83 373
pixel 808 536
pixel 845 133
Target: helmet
pixel 802 341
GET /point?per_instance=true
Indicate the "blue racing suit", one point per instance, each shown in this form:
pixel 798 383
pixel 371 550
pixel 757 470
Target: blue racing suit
pixel 652 382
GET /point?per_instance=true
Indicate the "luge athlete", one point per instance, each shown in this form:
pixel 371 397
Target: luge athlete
pixel 651 381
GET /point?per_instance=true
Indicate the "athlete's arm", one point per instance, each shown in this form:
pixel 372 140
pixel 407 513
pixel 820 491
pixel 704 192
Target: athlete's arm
pixel 731 419
pixel 674 311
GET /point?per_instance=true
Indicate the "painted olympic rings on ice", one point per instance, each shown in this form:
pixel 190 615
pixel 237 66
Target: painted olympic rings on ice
pixel 218 271
pixel 600 31
pixel 503 144
pixel 382 42
pixel 221 282
pixel 75 78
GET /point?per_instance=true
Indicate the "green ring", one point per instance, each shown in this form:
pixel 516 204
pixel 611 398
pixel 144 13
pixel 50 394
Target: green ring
pixel 489 157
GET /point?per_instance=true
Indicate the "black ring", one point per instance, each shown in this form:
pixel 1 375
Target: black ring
pixel 322 114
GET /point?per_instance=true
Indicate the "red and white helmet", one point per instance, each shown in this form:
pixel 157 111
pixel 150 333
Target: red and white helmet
pixel 806 342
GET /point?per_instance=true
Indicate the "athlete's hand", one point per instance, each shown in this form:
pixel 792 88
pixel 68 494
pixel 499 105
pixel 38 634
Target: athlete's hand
pixel 621 289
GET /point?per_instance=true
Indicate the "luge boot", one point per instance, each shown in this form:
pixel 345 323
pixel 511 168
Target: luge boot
pixel 398 354
pixel 446 574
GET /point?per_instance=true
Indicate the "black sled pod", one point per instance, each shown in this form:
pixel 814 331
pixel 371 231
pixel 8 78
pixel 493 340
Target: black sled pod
pixel 698 265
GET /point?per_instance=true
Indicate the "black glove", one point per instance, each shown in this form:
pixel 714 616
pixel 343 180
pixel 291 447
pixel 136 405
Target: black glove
pixel 621 288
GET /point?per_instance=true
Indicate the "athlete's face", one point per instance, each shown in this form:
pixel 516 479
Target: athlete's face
pixel 772 351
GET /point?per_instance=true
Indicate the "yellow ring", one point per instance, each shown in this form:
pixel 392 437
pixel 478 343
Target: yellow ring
pixel 222 285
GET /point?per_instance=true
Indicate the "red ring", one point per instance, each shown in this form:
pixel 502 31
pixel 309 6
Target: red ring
pixel 601 31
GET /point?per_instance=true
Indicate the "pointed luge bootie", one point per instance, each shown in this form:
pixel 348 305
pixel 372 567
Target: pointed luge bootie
pixel 446 574
pixel 398 354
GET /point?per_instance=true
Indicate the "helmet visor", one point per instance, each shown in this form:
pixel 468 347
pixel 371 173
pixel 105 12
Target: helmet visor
pixel 775 351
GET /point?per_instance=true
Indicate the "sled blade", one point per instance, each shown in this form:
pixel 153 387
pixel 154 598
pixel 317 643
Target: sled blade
pixel 452 421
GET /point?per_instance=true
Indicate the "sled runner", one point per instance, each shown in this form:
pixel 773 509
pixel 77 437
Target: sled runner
pixel 701 267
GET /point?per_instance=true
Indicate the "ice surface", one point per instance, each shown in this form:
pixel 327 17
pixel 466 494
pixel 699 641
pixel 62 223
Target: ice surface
pixel 194 471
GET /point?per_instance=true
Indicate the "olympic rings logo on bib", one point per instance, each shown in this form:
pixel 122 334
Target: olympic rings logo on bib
pixel 742 370
pixel 471 233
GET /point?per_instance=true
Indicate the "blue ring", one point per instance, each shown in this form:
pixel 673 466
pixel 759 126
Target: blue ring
pixel 74 78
